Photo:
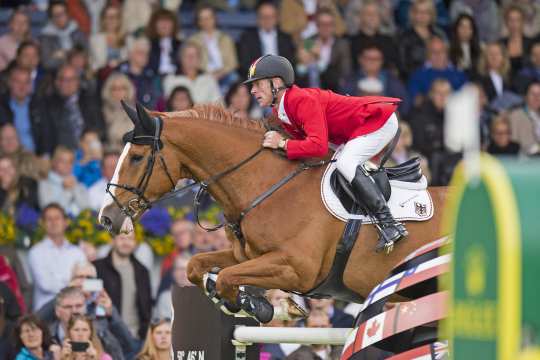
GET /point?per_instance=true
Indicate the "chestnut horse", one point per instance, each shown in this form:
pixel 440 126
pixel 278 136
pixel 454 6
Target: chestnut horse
pixel 290 238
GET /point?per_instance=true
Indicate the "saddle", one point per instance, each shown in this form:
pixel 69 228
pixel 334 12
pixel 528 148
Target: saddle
pixel 409 172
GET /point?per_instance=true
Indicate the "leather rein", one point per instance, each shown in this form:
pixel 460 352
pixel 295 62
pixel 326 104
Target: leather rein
pixel 140 203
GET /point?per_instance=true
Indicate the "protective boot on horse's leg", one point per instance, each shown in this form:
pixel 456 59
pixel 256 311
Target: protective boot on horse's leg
pixel 391 230
pixel 350 164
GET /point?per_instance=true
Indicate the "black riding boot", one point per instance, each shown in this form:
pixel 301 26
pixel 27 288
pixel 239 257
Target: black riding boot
pixel 391 230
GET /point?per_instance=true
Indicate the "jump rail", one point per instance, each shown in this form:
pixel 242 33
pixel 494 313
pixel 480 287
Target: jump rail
pixel 272 335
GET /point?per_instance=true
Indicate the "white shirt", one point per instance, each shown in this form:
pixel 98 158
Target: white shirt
pixel 215 61
pixel 166 66
pixel 203 89
pixel 497 82
pixel 325 54
pixel 96 193
pixel 269 44
pixel 50 266
pixel 282 114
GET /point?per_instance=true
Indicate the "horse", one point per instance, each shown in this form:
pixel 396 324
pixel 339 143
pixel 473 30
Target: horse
pixel 289 239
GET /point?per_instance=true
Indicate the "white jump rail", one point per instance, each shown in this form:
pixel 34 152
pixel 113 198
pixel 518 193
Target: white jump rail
pixel 291 335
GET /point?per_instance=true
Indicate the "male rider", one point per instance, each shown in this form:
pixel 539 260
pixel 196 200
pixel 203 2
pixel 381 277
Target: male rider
pixel 315 117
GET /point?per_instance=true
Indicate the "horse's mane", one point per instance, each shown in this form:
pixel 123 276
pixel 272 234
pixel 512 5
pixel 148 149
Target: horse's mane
pixel 218 114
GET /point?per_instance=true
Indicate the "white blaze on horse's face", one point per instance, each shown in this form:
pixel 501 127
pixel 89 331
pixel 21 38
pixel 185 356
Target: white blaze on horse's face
pixel 108 198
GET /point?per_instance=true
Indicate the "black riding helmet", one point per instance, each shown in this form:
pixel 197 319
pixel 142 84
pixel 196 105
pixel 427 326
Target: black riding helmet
pixel 269 66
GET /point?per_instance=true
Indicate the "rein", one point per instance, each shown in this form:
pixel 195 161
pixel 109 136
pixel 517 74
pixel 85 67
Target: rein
pixel 141 203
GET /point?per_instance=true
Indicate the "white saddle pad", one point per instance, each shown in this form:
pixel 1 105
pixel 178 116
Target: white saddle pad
pixel 408 202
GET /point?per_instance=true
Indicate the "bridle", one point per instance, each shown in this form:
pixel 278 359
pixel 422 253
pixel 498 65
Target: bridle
pixel 140 203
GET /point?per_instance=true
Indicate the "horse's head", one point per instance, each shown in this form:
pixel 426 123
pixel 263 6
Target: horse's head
pixel 145 171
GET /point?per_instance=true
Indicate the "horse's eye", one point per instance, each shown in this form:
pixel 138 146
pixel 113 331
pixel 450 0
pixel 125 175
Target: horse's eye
pixel 136 158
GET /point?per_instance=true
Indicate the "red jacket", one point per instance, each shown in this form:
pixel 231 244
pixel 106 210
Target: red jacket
pixel 315 117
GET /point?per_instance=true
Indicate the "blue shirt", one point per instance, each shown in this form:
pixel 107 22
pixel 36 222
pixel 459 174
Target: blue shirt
pixel 88 173
pixel 21 120
pixel 25 354
pixel 421 80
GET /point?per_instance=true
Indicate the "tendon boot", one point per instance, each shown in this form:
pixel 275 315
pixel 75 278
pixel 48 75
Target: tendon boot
pixel 390 230
pixel 255 305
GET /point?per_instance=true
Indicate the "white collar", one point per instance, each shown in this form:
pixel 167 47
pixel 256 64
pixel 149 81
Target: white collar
pixel 282 115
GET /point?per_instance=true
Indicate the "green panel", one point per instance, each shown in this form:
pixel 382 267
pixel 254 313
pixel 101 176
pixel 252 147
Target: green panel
pixel 525 178
pixel 475 277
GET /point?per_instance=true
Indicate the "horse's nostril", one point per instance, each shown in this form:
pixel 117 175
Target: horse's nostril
pixel 106 222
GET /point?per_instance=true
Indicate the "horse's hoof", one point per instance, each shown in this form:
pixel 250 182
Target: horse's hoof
pixel 289 310
pixel 256 306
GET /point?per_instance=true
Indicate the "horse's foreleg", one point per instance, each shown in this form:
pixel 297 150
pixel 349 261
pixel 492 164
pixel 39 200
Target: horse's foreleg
pixel 202 263
pixel 269 271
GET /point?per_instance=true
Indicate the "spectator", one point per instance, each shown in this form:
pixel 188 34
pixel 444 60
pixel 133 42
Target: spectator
pixel 530 72
pixel 525 121
pixel 427 119
pixel 369 32
pixel 218 52
pixel 202 240
pixel 338 318
pixel 386 16
pixel 99 307
pixel 157 345
pixel 516 43
pixel 370 68
pixel 80 329
pixel 413 41
pixel 177 276
pixel 162 31
pixel 9 279
pixel 59 36
pixel 465 46
pixel 147 84
pixel 182 231
pixel 267 38
pixel 403 7
pixel 27 163
pixel 86 14
pixel 180 99
pixel 70 110
pixel 51 259
pixel 317 319
pixel 220 241
pixel 19 31
pixel 202 86
pixel 15 190
pixel 70 301
pixel 531 10
pixel 232 6
pixel 87 168
pixel 6 330
pixel 501 143
pixel 61 186
pixel 494 70
pixel 107 47
pixel 98 190
pixel 297 18
pixel 117 87
pixel 19 108
pixel 485 13
pixel 78 58
pixel 324 59
pixel 28 58
pixel 437 66
pixel 13 260
pixel 32 340
pixel 240 102
pixel 127 281
pixel 136 14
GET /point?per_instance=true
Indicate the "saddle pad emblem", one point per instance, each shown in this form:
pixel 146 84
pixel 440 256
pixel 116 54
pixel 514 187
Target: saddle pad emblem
pixel 420 209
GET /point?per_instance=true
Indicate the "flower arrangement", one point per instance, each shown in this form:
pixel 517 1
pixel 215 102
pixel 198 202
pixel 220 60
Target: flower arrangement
pixel 7 229
pixel 85 227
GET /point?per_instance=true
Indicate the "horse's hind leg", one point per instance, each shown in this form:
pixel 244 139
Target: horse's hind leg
pixel 202 263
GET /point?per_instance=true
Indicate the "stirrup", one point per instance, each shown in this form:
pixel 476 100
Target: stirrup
pixel 386 244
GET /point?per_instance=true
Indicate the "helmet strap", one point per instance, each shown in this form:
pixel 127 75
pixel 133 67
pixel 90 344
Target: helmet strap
pixel 275 91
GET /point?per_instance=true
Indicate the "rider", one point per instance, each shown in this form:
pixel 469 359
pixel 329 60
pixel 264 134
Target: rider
pixel 315 117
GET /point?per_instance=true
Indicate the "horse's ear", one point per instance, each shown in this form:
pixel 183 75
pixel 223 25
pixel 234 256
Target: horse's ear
pixel 131 112
pixel 147 123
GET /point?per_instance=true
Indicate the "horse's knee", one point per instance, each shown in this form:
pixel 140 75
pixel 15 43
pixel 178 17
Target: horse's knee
pixel 194 272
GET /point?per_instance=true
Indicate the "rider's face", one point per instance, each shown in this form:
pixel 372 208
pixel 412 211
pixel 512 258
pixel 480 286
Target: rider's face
pixel 262 92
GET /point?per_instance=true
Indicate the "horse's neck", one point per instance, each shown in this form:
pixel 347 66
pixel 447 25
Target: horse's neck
pixel 207 149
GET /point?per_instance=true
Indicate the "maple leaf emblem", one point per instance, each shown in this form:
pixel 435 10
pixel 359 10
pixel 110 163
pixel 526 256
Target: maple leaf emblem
pixel 372 330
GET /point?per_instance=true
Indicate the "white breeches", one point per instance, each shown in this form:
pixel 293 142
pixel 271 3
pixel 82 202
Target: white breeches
pixel 360 149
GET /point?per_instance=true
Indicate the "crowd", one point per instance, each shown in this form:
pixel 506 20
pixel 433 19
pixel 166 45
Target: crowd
pixel 61 128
